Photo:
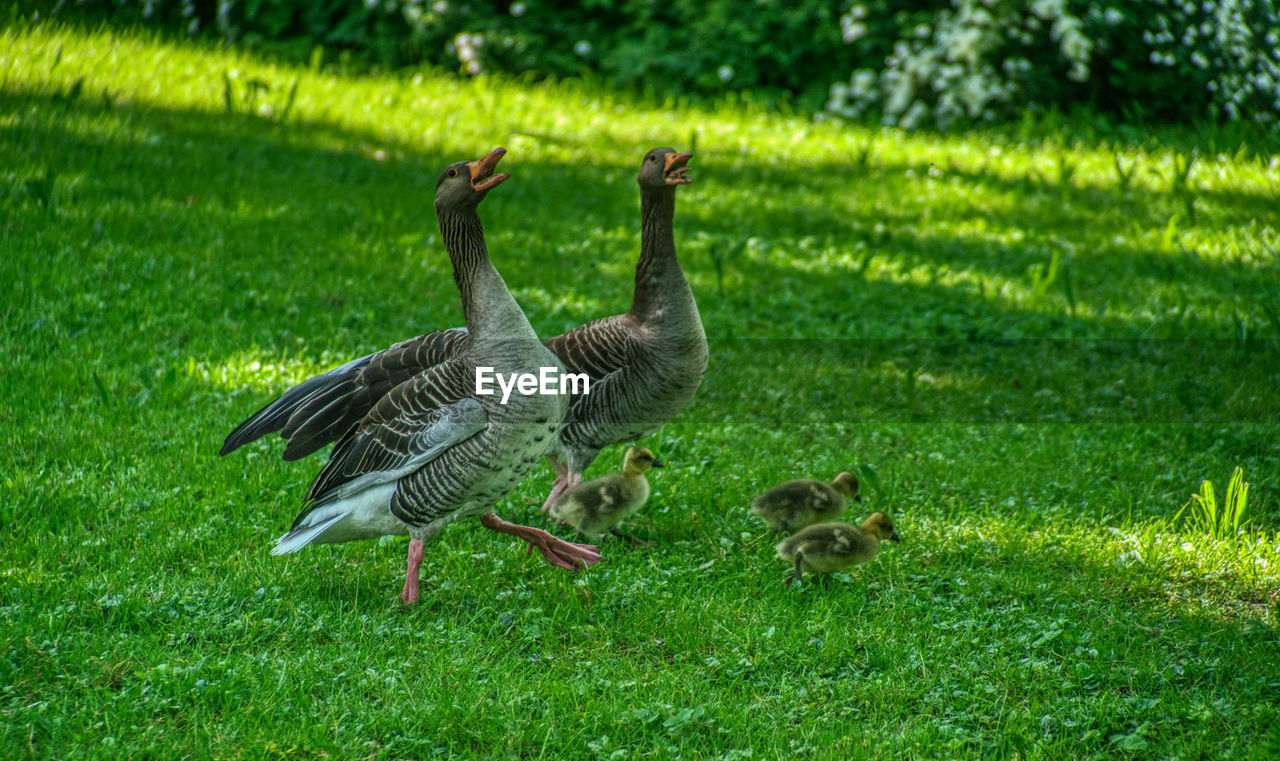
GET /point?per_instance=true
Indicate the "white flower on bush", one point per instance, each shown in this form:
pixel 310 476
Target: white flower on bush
pixel 967 60
pixel 948 109
pixel 1014 67
pixel 1048 9
pixel 1074 45
pixel 974 92
pixel 1234 42
pixel 466 45
pixel 725 73
pixel 839 94
pixel 863 81
pixel 851 30
pixel 518 9
pixel 966 46
pixel 582 48
pixel 900 96
pixel 851 26
pixel 915 115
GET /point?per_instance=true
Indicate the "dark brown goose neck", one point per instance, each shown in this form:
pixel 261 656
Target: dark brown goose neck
pixel 487 305
pixel 658 268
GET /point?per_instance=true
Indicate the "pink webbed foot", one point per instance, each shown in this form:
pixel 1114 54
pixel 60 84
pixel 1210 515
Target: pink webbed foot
pixel 557 552
pixel 409 595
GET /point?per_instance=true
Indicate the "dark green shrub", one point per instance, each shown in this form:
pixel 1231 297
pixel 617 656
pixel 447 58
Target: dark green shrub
pixel 777 48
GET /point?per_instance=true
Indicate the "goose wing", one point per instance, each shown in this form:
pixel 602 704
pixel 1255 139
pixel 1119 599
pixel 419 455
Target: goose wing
pixel 609 408
pixel 605 350
pixel 597 348
pixel 415 423
pixel 323 409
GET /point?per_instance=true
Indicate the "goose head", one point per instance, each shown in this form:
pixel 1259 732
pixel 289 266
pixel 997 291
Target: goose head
pixel 663 167
pixel 464 184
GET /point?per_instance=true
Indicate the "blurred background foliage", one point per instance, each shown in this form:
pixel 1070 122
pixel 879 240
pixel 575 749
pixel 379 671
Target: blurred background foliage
pixel 902 62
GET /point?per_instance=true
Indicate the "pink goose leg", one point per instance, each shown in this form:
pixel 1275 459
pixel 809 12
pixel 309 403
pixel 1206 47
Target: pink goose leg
pixel 560 484
pixel 560 487
pixel 558 552
pixel 409 595
pixel 557 488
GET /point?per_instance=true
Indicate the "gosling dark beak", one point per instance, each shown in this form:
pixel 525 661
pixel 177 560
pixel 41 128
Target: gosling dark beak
pixel 857 498
pixel 659 464
pixel 482 176
pixel 675 168
pixel 895 538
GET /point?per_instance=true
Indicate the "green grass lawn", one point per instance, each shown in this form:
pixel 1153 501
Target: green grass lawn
pixel 1041 338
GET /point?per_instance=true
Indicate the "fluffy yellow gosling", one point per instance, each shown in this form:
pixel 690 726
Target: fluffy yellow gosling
pixel 596 507
pixel 830 547
pixel 792 505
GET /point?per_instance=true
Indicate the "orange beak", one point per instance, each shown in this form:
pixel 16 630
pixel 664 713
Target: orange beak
pixel 482 176
pixel 674 171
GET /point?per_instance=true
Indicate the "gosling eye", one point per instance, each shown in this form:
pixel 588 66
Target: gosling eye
pixel 653 157
pixel 453 172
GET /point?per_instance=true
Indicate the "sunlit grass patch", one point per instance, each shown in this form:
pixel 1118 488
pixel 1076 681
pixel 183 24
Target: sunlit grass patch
pixel 245 371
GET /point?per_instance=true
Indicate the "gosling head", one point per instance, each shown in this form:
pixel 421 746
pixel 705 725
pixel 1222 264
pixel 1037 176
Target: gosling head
pixel 847 484
pixel 880 526
pixel 639 460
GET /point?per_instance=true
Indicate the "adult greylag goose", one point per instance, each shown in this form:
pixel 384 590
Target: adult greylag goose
pixel 792 505
pixel 644 365
pixel 431 451
pixel 596 507
pixel 830 547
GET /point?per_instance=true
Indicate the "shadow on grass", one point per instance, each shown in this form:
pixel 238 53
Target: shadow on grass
pixel 907 209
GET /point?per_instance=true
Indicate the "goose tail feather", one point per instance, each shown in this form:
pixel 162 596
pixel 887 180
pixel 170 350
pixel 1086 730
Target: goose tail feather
pixel 303 535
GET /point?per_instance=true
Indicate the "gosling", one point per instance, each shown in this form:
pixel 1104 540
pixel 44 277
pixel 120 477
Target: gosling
pixel 792 505
pixel 830 547
pixel 596 507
